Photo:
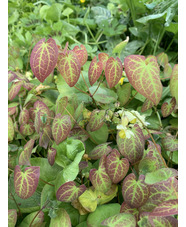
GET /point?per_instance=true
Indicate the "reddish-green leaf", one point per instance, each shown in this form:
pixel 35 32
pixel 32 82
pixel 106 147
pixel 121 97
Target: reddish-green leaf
pixel 27 129
pixel 132 148
pixel 148 164
pixel 122 219
pixel 167 72
pixel 12 108
pixel 96 120
pixel 135 193
pixel 147 105
pixel 98 151
pixel 61 128
pixel 14 90
pixel 168 107
pixel 103 57
pixel 113 71
pixel 37 222
pixel 28 86
pixel 12 217
pixel 61 104
pixel 167 208
pixel 25 183
pixel 170 143
pixel 117 169
pixel 43 58
pixel 51 155
pixel 162 59
pixel 24 116
pixel 10 129
pixel 24 158
pixel 125 208
pixel 124 93
pixel 81 53
pixel 62 219
pixel 45 136
pixel 11 76
pixel 32 113
pixel 69 191
pixel 99 178
pixel 95 70
pixel 174 83
pixel 143 74
pixel 69 67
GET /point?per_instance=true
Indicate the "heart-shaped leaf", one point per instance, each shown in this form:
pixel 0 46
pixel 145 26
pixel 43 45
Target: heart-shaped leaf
pixel 147 105
pixel 38 219
pixel 25 183
pixel 61 104
pixel 24 158
pixel 24 116
pixel 103 57
pixel 162 59
pixel 95 70
pixel 12 108
pixel 143 74
pixel 174 83
pixel 51 155
pixel 167 108
pixel 117 169
pixel 96 120
pixel 61 127
pixel 99 151
pixel 170 143
pixel 69 191
pixel 99 178
pixel 14 90
pixel 167 208
pixel 27 129
pixel 45 136
pixel 149 221
pixel 135 193
pixel 12 217
pixel 81 53
pixel 122 219
pixel 125 208
pixel 124 93
pixel 10 129
pixel 113 71
pixel 132 148
pixel 160 175
pixel 69 67
pixel 62 219
pixel 43 58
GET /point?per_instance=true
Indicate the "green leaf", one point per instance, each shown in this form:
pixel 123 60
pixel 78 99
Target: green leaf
pixel 174 83
pixel 13 18
pixel 143 74
pixel 99 136
pixel 160 175
pixel 61 220
pixel 101 213
pixel 145 20
pixel 53 12
pixel 61 104
pixel 88 200
pixel 10 129
pixel 101 14
pixel 118 48
pixel 124 93
pixel 67 12
pixel 12 217
pixel 162 59
pixel 37 221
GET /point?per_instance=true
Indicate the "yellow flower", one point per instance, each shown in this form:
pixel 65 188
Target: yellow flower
pixel 121 80
pixel 124 130
pixel 82 1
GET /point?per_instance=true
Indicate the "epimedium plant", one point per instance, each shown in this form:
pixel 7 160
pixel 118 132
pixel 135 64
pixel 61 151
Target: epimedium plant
pixel 83 148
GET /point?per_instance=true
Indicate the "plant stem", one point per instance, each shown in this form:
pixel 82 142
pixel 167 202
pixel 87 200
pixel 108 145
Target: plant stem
pixel 97 87
pixel 81 90
pixel 131 98
pixel 16 204
pixel 159 118
pixel 47 182
pixel 170 43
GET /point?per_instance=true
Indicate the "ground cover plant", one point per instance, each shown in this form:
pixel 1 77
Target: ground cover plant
pixel 93 135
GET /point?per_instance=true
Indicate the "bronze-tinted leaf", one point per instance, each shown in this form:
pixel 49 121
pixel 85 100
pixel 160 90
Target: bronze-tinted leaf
pixel 95 70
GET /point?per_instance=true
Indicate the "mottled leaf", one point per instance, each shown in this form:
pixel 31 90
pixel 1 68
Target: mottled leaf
pixel 147 105
pixel 61 104
pixel 167 108
pixel 62 219
pixel 12 217
pixel 69 191
pixel 14 90
pixel 99 151
pixel 162 59
pixel 143 74
pixel 11 76
pixel 117 169
pixel 69 67
pixel 24 158
pixel 27 129
pixel 12 108
pixel 10 129
pixel 148 164
pixel 43 58
pixel 160 175
pixel 81 53
pixel 51 156
pixel 103 57
pixel 38 220
pixel 96 120
pixel 124 93
pixel 135 193
pixel 45 136
pixel 167 208
pixel 122 219
pixel 99 178
pixel 132 148
pixel 24 116
pixel 174 83
pixel 25 183
pixel 125 208
pixel 28 86
pixel 61 127
pixel 170 143
pixel 113 71
pixel 95 70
